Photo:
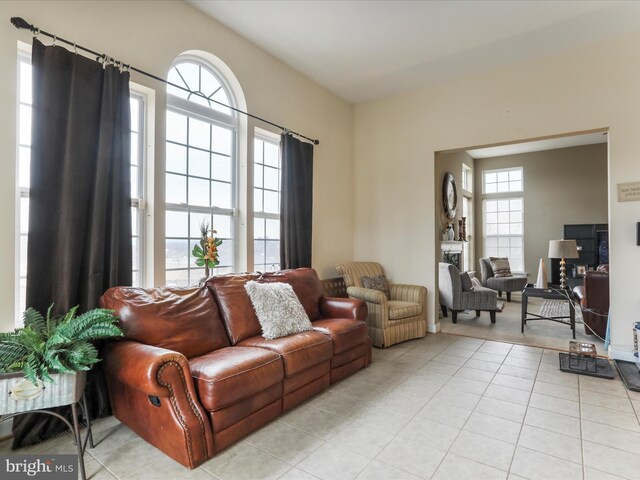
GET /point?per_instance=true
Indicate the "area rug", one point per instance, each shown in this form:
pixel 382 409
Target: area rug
pixel 558 308
pixel 629 373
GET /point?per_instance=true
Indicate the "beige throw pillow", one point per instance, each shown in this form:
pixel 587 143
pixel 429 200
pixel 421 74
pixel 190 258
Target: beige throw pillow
pixel 500 267
pixel 278 309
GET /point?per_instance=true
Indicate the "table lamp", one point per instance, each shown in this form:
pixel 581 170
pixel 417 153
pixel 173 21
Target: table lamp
pixel 563 249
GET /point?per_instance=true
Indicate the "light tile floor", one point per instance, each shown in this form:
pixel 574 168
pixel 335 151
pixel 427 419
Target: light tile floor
pixel 441 408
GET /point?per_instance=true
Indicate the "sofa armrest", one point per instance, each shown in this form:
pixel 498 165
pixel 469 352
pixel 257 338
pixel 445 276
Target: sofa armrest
pixel 408 293
pixel 334 307
pixel 579 293
pixel 141 366
pixel 368 295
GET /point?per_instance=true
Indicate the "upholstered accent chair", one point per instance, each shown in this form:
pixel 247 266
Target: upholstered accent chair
pixel 454 298
pixel 402 316
pixel 501 284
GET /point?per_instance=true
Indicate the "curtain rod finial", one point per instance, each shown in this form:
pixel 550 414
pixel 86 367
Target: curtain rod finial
pixel 21 23
pixel 316 142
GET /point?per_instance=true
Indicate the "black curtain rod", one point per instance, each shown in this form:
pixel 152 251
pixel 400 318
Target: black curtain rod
pixel 21 24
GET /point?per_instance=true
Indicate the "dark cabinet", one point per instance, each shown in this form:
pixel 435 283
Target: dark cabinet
pixel 593 238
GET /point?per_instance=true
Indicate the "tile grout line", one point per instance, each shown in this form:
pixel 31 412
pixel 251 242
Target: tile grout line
pixel 524 417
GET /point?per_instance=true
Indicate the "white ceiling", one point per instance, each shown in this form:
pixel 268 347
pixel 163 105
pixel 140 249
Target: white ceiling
pixel 539 145
pixel 363 50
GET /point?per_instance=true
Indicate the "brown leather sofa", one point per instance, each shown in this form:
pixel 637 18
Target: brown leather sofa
pixel 193 373
pixel 593 295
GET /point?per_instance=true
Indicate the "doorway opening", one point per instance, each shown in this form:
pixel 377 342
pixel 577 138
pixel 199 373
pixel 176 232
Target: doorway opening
pixel 512 201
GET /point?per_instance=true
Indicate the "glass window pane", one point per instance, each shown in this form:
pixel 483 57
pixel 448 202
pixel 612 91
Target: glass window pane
pixel 515 186
pixel 135 258
pixel 176 127
pixel 220 195
pixel 177 253
pixel 134 182
pixel 190 74
pixel 199 163
pixel 135 221
pixel 221 142
pixel 515 204
pixel 258 172
pixel 221 167
pixel 176 158
pixel 208 83
pixel 195 219
pixel 503 176
pixel 273 228
pixel 271 202
pixel 134 106
pixel 503 205
pixel 271 154
pixel 199 134
pixel 176 224
pixel 272 178
pixel 515 217
pixel 258 228
pixel 25 125
pixel 491 242
pixel 258 145
pixel 503 229
pixel 491 218
pixel 199 192
pixel 257 200
pixel 221 98
pixel 491 206
pixel 23 255
pixel 226 254
pixel 503 217
pixel 24 167
pixel 516 229
pixel 222 224
pixel 490 188
pixel 272 254
pixel 24 215
pixel 134 148
pixel 489 177
pixel 177 80
pixel 503 187
pixel 515 175
pixel 178 278
pixel 492 229
pixel 176 189
pixel 25 83
pixel 258 252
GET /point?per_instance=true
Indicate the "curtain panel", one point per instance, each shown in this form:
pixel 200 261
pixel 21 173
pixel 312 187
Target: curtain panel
pixel 79 241
pixel 296 202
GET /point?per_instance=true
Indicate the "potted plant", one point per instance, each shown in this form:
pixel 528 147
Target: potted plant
pixel 53 349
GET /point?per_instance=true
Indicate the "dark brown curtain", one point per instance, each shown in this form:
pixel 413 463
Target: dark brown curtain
pixel 296 202
pixel 79 241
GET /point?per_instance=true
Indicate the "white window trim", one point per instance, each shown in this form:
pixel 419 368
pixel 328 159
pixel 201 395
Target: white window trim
pixel 271 137
pixel 501 170
pixel 498 197
pixel 200 112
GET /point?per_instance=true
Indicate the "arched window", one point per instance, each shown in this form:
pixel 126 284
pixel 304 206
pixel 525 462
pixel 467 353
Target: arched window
pixel 201 159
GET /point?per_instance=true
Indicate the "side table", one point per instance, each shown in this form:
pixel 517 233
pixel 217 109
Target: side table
pixel 548 294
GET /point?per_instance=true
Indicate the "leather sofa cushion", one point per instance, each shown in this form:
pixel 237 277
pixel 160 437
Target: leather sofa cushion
pixel 185 320
pixel 398 309
pixel 231 374
pixel 299 351
pixel 235 306
pixel 345 333
pixel 305 284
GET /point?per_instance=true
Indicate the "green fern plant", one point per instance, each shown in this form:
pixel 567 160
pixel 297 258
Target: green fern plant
pixel 55 344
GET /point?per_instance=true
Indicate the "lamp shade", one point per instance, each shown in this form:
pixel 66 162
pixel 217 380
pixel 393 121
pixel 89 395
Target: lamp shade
pixel 563 249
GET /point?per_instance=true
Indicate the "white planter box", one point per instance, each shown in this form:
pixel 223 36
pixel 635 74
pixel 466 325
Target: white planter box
pixel 18 394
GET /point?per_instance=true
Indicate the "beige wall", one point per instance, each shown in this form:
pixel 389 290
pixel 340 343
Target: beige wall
pixel 395 139
pixel 563 186
pixel 149 35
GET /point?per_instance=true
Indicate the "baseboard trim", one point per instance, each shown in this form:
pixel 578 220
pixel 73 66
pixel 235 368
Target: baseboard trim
pixel 434 328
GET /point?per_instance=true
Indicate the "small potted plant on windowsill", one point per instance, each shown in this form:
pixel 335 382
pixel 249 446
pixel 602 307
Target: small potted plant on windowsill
pixel 52 349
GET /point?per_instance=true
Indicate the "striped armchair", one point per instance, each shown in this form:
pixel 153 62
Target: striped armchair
pixel 452 296
pixel 400 317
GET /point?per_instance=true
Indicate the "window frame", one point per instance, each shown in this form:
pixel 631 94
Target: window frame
pixel 266 137
pixel 508 182
pixel 498 236
pixel 211 116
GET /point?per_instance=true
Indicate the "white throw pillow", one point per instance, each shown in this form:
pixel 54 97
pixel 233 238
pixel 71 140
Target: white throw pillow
pixel 278 309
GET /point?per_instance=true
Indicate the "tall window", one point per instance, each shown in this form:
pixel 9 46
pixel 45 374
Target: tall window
pixel 200 168
pixel 266 203
pixel 503 216
pixel 138 162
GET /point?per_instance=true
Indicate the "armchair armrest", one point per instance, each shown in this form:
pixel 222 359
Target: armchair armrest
pixel 334 307
pixel 368 295
pixel 141 366
pixel 408 293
